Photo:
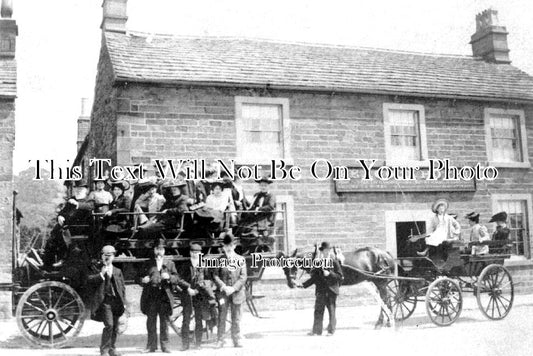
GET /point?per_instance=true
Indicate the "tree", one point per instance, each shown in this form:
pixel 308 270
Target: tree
pixel 38 201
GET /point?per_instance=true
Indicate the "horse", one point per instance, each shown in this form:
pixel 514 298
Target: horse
pixel 364 264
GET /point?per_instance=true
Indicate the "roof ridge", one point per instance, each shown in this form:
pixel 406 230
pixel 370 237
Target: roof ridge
pixel 299 43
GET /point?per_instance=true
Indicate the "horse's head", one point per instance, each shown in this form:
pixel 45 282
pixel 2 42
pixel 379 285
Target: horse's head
pixel 292 274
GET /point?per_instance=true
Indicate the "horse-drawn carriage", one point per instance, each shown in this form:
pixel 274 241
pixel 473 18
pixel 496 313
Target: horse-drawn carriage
pixel 441 281
pixel 49 305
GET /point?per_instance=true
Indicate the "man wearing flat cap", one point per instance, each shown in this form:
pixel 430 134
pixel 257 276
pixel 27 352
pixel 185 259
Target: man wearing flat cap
pixel 108 301
pixel 158 278
pixel 198 296
pixel 231 285
pixel 260 209
pixel 502 231
pixel 327 281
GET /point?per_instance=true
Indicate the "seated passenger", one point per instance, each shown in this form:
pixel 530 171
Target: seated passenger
pixel 114 222
pixel 260 210
pixel 77 211
pixel 149 201
pixel 218 202
pixel 101 197
pixel 478 233
pixel 442 228
pixel 502 231
pixel 171 211
pixel 234 188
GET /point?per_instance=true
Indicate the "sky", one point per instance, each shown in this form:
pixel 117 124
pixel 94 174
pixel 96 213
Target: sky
pixel 59 43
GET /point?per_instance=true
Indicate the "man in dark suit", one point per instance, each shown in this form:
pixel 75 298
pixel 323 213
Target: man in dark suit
pixel 199 296
pixel 159 276
pixel 107 304
pixel 260 209
pixel 231 282
pixel 77 211
pixel 327 282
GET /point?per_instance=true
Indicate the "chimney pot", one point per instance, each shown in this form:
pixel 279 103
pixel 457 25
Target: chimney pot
pixel 490 40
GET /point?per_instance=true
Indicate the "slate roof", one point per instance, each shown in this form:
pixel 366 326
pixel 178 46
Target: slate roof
pixel 245 62
pixel 8 77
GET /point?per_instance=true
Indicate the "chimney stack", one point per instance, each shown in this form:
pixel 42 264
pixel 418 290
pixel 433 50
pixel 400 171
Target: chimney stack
pixel 490 40
pixel 115 15
pixel 84 122
pixel 8 30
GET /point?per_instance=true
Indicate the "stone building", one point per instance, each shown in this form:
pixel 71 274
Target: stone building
pixel 8 93
pixel 165 96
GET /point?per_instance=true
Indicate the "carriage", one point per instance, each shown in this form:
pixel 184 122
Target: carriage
pixel 442 282
pixel 50 306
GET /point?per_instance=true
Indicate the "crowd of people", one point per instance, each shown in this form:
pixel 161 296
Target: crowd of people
pixel 154 207
pixel 208 294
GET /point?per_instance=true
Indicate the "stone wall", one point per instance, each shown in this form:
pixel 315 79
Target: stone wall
pixel 7 141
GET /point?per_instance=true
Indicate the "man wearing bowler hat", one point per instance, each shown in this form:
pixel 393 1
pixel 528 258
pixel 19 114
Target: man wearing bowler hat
pixel 327 281
pixel 198 296
pixel 231 285
pixel 159 277
pixel 260 209
pixel 108 301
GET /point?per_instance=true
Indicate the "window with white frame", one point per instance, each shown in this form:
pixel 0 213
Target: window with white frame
pixel 505 138
pixel 405 132
pixel 262 129
pixel 518 209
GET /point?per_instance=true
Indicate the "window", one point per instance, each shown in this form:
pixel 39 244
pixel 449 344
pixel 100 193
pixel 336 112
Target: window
pixel 518 209
pixel 505 138
pixel 262 129
pixel 405 133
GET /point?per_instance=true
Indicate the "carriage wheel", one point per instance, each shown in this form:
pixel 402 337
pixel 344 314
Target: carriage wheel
pixel 444 301
pixel 50 314
pixel 495 292
pixel 402 299
pixel 176 319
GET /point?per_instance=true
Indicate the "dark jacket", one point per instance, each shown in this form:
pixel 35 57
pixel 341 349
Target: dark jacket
pixel 153 289
pixel 120 204
pixel 324 284
pixel 96 283
pixel 175 206
pixel 235 278
pixel 82 215
pixel 265 202
pixel 501 233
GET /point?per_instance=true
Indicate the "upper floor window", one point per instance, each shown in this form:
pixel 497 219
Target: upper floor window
pixel 262 129
pixel 405 133
pixel 506 138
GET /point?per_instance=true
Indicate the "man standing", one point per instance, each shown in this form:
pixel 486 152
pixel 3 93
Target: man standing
pixel 230 281
pixel 157 298
pixel 107 304
pixel 199 296
pixel 327 281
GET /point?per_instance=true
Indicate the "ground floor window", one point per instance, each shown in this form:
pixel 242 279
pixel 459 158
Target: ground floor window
pixel 518 209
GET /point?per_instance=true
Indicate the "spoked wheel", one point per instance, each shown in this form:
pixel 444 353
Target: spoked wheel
pixel 402 299
pixel 50 314
pixel 444 301
pixel 176 319
pixel 495 292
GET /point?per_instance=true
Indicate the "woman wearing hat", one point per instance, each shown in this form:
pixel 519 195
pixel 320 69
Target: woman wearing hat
pixel 478 233
pixel 502 231
pixel 442 226
pixel 102 198
pixel 217 203
pixel 120 204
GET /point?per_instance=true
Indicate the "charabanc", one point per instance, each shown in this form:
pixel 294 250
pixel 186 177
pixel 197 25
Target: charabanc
pixel 50 305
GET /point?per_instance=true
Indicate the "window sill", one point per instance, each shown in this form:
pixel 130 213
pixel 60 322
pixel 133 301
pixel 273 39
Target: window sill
pixel 264 163
pixel 510 164
pixel 516 261
pixel 396 163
